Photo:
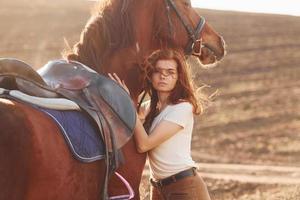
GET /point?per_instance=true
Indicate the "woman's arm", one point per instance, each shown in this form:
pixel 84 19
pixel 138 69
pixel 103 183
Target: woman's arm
pixel 163 131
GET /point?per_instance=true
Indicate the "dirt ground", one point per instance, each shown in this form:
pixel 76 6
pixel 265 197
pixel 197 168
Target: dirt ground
pixel 255 118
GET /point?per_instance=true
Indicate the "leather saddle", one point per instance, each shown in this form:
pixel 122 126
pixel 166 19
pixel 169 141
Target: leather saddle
pixel 13 67
pixel 96 94
pixel 105 101
pixel 18 75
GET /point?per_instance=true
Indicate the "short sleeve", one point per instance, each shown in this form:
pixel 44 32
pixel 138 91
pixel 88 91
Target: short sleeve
pixel 180 114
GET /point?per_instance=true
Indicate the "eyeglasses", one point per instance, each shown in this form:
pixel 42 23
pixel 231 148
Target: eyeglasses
pixel 166 72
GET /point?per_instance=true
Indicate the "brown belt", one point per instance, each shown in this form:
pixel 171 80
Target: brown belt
pixel 174 178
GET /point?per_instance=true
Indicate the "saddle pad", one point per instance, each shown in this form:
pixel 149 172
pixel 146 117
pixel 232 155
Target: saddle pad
pixel 51 103
pixel 80 134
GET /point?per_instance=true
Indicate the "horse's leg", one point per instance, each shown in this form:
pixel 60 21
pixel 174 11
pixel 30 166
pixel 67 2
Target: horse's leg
pixel 131 171
pixel 35 162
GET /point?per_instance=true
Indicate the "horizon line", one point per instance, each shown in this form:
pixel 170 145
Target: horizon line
pixel 248 11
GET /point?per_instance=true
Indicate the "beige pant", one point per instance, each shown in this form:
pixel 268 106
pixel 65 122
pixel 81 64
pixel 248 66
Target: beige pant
pixel 188 188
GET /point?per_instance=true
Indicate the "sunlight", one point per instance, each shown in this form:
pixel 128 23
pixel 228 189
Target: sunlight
pixel 288 7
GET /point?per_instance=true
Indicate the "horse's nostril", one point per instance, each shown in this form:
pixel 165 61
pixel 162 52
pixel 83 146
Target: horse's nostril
pixel 222 52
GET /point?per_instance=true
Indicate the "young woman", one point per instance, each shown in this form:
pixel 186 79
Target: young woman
pixel 164 127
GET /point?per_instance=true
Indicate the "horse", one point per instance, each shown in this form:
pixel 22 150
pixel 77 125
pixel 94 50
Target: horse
pixel 35 162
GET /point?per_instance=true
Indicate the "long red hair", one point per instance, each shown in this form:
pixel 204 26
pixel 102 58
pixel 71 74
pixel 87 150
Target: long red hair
pixel 184 88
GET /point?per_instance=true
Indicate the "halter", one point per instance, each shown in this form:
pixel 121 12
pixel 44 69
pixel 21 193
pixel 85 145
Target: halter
pixel 194 35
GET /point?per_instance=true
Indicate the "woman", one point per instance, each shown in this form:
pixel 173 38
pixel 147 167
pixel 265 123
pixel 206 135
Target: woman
pixel 167 129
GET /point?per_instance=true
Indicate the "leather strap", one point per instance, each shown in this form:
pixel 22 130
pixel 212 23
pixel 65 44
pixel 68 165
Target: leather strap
pixel 174 178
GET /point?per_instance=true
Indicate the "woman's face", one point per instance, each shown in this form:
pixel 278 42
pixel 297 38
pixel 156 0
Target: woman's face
pixel 165 75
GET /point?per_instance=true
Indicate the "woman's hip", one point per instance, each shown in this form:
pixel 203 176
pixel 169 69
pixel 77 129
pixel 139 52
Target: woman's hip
pixel 186 185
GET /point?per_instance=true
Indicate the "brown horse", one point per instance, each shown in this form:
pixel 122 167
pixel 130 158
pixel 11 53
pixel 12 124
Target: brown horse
pixel 35 162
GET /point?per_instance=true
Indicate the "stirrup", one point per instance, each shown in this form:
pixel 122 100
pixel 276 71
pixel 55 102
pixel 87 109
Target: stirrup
pixel 129 188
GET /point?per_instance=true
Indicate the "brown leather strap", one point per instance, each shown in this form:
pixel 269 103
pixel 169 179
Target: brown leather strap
pixel 174 178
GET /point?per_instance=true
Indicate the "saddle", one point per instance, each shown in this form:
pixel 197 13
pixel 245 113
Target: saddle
pixel 107 103
pixel 94 93
pixel 13 67
pixel 17 75
pixel 102 98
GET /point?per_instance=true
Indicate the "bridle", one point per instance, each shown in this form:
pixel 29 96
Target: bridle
pixel 194 35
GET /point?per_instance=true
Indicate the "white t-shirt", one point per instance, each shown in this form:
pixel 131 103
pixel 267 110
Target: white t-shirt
pixel 173 155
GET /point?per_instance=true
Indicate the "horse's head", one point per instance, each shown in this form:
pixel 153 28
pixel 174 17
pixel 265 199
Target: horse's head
pixel 120 34
pixel 118 25
pixel 180 25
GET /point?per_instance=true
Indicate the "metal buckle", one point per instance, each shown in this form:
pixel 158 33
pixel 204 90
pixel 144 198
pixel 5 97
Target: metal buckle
pixel 198 45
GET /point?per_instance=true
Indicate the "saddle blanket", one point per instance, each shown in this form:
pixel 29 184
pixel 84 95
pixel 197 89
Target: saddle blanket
pixel 81 135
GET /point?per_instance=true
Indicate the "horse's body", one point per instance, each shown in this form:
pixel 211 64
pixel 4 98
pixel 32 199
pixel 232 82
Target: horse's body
pixel 35 162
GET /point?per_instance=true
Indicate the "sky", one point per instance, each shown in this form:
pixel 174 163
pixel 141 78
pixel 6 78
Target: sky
pixel 289 7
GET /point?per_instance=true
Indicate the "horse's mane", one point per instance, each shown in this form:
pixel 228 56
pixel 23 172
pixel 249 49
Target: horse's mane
pixel 109 28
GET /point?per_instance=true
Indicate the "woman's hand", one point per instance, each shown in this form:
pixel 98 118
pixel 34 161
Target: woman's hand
pixel 116 78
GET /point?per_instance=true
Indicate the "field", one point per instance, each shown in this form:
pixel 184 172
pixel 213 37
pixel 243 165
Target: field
pixel 255 119
pixel 254 122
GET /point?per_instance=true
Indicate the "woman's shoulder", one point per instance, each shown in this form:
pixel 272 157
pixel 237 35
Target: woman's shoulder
pixel 180 113
pixel 183 105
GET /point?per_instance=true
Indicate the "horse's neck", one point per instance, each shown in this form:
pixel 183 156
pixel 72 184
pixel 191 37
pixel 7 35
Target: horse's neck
pixel 127 61
pixel 144 26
